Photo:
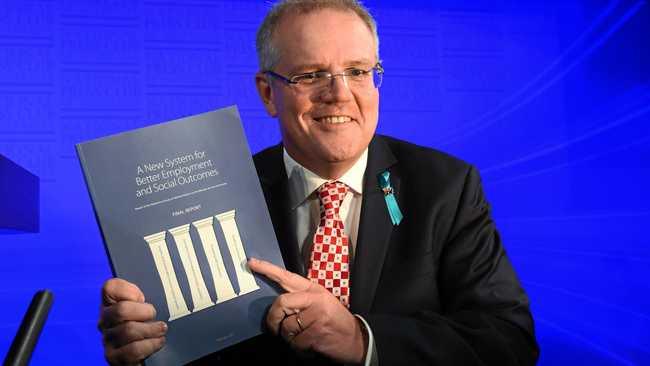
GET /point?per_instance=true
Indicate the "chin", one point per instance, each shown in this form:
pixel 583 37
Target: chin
pixel 338 154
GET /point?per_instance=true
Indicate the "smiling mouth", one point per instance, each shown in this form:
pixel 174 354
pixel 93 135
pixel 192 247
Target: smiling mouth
pixel 333 119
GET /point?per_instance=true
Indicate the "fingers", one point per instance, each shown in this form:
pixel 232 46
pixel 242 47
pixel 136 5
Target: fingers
pixel 291 326
pixel 126 323
pixel 128 332
pixel 316 320
pixel 286 305
pixel 124 311
pixel 289 281
pixel 134 352
pixel 343 342
pixel 284 330
pixel 304 341
pixel 117 289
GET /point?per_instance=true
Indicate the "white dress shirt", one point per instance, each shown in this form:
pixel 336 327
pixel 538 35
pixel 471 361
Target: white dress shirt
pixel 305 206
pixel 305 215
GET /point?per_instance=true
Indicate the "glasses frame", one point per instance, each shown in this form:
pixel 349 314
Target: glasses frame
pixel 290 80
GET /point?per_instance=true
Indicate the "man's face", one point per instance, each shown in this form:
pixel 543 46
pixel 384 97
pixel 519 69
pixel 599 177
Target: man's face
pixel 333 125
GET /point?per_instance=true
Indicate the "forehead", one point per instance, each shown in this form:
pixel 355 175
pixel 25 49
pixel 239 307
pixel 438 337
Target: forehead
pixel 323 37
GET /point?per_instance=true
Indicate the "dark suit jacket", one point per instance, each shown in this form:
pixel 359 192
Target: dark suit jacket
pixel 436 290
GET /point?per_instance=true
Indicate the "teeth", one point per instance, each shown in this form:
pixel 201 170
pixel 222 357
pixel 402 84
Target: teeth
pixel 334 119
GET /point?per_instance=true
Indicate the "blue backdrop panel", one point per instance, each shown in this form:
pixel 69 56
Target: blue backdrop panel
pixel 550 99
pixel 19 196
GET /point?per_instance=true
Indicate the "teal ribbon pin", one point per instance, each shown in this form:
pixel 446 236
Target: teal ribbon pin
pixel 393 209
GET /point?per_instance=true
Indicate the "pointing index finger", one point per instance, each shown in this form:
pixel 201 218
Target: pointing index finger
pixel 289 281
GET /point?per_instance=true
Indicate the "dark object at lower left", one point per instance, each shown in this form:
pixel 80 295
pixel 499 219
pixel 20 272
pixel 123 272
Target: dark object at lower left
pixel 24 343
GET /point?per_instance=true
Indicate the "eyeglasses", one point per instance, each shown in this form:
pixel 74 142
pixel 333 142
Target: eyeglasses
pixel 353 77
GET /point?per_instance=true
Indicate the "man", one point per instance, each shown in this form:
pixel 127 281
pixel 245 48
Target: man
pixel 432 288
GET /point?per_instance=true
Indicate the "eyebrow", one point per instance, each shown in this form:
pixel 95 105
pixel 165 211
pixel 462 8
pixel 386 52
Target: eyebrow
pixel 320 66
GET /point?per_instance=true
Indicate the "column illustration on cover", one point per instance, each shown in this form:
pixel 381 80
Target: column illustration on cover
pixel 220 278
pixel 198 289
pixel 200 296
pixel 173 294
pixel 245 278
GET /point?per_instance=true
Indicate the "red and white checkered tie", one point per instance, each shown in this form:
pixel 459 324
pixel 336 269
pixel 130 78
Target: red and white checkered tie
pixel 330 254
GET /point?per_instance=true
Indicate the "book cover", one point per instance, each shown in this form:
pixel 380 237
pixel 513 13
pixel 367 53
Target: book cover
pixel 180 209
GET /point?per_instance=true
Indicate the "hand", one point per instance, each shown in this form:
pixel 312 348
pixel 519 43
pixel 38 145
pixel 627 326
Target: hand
pixel 310 318
pixel 126 322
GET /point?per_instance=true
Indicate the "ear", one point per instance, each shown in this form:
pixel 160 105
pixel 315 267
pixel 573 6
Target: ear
pixel 266 93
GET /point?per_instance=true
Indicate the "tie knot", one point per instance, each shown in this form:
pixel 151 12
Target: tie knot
pixel 331 194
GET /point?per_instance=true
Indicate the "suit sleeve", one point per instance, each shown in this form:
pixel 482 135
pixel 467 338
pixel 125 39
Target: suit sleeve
pixel 485 317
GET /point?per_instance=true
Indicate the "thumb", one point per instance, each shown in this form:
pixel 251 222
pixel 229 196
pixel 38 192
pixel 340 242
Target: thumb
pixel 117 289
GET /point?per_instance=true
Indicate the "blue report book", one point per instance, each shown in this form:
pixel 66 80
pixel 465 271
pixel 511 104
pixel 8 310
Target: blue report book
pixel 180 209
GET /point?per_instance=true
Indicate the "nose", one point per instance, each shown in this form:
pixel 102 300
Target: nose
pixel 337 90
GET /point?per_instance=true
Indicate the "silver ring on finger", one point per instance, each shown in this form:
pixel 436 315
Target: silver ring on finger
pixel 299 321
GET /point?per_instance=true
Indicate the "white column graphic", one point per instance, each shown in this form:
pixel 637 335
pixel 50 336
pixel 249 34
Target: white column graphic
pixel 215 260
pixel 199 291
pixel 244 276
pixel 173 295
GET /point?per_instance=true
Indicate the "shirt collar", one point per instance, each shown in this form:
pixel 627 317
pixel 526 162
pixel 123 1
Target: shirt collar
pixel 303 182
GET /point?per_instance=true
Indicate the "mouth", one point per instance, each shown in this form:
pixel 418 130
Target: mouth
pixel 333 119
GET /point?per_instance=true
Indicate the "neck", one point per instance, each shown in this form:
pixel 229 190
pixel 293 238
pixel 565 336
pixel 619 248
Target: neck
pixel 330 171
pixel 326 170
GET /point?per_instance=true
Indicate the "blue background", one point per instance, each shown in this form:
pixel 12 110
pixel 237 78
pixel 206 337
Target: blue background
pixel 550 99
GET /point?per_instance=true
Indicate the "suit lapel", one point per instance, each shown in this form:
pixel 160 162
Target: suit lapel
pixel 375 228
